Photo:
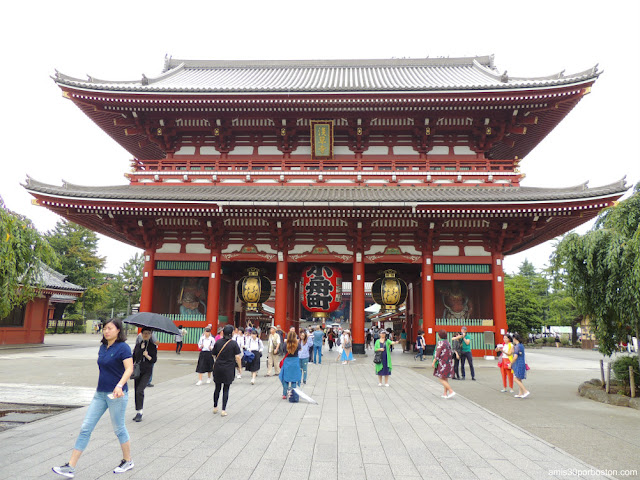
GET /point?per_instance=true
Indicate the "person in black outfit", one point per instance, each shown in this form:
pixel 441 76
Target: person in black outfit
pixel 228 357
pixel 146 354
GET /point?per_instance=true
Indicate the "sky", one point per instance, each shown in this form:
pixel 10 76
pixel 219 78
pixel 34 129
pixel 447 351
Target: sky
pixel 51 140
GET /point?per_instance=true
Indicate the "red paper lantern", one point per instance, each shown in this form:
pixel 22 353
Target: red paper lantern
pixel 321 291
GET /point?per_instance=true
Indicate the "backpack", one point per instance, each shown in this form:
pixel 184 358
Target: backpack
pixel 293 396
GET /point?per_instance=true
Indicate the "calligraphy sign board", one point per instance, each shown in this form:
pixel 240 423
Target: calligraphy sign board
pixel 322 139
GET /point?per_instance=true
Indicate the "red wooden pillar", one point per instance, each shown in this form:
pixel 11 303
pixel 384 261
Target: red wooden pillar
pixel 213 292
pixel 497 288
pixel 428 301
pixel 282 281
pixel 357 304
pixel 146 295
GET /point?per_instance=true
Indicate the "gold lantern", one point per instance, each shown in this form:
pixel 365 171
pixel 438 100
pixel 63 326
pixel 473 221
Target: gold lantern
pixel 389 291
pixel 253 290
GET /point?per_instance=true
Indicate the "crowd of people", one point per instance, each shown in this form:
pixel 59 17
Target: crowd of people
pixel 224 356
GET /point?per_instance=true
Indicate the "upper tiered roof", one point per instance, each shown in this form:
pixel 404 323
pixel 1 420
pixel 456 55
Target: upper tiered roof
pixel 329 76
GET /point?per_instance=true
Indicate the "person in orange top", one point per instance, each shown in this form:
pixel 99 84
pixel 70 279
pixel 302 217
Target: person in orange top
pixel 505 362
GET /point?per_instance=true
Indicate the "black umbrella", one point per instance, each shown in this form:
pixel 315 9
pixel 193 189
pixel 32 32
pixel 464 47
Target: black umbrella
pixel 154 321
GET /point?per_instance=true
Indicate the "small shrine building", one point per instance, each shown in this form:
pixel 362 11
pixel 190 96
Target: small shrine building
pixel 363 166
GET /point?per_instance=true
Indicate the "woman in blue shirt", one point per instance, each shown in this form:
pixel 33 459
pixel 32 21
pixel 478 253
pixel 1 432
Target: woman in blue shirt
pixel 116 366
pixel 519 366
pixel 305 344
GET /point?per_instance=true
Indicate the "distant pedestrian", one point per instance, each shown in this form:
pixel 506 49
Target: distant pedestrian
pixel 505 362
pixel 303 353
pixel 465 352
pixel 228 355
pixel 442 363
pixel 146 354
pixel 557 341
pixel 403 340
pixel 368 338
pixel 384 368
pixel 290 373
pixel 420 344
pixel 238 337
pixel 456 348
pixel 347 347
pixel 331 339
pixel 519 366
pixel 180 338
pixel 318 335
pixel 205 359
pixel 116 366
pixel 256 347
pixel 273 352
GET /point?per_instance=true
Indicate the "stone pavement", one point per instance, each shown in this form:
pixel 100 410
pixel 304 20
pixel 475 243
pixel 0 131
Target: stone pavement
pixel 357 431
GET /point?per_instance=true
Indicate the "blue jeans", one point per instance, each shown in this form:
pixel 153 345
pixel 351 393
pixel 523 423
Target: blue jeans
pixel 98 406
pixel 286 386
pixel 317 353
pixel 304 363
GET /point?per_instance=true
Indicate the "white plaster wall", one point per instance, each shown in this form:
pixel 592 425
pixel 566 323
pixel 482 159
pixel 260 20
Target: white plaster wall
pixel 169 248
pixel 476 251
pixel 446 251
pixel 196 248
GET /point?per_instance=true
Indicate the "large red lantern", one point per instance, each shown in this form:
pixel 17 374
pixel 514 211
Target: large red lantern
pixel 321 291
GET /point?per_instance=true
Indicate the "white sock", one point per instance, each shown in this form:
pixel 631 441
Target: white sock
pixel 139 411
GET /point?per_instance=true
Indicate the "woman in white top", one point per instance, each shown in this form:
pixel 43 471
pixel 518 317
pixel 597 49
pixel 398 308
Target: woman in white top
pixel 347 347
pixel 238 337
pixel 205 360
pixel 255 346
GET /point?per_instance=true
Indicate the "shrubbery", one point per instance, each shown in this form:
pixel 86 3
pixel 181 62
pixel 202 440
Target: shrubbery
pixel 621 369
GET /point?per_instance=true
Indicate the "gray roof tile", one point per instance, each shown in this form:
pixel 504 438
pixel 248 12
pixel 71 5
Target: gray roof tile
pixel 322 76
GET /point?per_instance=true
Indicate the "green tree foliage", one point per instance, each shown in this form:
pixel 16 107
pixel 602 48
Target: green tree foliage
pixel 22 249
pixel 116 299
pixel 76 248
pixel 602 272
pixel 524 303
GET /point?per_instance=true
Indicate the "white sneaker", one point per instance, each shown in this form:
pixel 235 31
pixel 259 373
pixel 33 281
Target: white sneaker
pixel 238 376
pixel 124 466
pixel 452 394
pixel 198 383
pixel 253 381
pixel 379 384
pixel 65 470
pixel 386 384
pixel 215 410
pixel 344 363
pixel 504 390
pixel 208 380
pixel 511 391
pixel 525 395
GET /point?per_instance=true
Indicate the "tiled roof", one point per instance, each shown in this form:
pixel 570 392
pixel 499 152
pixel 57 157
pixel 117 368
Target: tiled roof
pixel 325 76
pixel 57 281
pixel 337 196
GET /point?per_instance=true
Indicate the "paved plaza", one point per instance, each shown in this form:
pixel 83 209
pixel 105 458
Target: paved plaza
pixel 357 431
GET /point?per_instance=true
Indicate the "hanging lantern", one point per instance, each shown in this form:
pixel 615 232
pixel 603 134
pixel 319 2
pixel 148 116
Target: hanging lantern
pixel 253 290
pixel 389 291
pixel 321 290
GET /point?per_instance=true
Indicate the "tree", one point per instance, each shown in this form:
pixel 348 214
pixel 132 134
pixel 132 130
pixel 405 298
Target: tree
pixel 116 299
pixel 602 271
pixel 22 251
pixel 77 248
pixel 523 305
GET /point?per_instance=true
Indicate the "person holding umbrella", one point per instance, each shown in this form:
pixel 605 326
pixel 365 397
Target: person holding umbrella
pixel 146 354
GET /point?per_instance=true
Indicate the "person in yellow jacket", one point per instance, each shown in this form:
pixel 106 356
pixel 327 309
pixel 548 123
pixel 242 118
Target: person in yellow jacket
pixel 505 362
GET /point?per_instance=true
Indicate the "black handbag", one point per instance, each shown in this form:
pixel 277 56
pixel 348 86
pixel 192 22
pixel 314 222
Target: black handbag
pixel 377 357
pixel 136 371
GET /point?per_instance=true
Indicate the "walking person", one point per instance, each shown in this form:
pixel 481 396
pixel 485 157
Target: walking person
pixel 368 339
pixel 420 344
pixel 403 340
pixel 228 356
pixel 146 354
pixel 273 352
pixel 180 338
pixel 519 366
pixel 238 337
pixel 255 346
pixel 506 359
pixel 318 335
pixel 115 366
pixel 384 368
pixel 347 347
pixel 465 352
pixel 330 339
pixel 442 363
pixel 205 359
pixel 290 373
pixel 154 340
pixel 306 342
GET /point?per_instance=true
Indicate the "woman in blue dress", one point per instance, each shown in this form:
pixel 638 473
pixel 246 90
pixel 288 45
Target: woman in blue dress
pixel 519 366
pixel 383 369
pixel 347 347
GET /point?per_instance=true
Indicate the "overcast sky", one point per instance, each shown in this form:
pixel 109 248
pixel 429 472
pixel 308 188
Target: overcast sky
pixel 48 138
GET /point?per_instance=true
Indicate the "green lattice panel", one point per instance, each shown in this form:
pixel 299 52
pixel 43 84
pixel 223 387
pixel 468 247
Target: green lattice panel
pixel 462 268
pixel 181 265
pixel 475 322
